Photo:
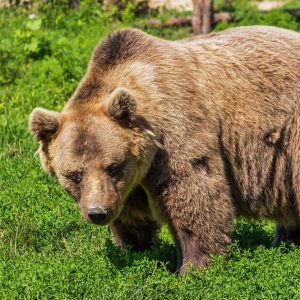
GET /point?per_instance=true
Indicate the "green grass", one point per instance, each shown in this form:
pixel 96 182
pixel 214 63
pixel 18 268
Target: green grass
pixel 46 250
pixel 292 4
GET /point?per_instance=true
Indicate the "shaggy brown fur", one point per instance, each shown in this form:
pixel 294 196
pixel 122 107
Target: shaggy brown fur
pixel 188 133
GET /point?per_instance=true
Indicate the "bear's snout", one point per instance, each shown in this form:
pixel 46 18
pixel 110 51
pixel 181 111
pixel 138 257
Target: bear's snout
pixel 98 214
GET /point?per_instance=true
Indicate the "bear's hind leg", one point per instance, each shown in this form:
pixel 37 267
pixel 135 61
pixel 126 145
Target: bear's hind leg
pixel 135 226
pixel 292 134
pixel 287 235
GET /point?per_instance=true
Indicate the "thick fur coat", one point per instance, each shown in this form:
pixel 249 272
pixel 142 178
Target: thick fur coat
pixel 189 133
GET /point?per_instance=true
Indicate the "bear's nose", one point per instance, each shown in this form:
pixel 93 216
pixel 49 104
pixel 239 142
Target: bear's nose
pixel 97 214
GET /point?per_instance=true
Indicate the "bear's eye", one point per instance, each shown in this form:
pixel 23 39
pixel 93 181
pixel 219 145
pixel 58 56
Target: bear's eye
pixel 114 170
pixel 74 176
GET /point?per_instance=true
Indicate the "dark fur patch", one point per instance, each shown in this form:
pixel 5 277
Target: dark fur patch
pixel 86 144
pixel 272 137
pixel 119 46
pixel 201 162
pixel 87 90
pixel 78 146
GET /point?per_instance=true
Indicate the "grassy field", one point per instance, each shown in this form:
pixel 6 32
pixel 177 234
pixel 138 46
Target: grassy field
pixel 46 250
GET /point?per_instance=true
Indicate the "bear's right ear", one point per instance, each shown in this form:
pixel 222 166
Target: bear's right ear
pixel 43 123
pixel 121 105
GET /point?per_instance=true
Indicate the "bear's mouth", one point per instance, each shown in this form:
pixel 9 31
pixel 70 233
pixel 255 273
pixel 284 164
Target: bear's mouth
pixel 99 223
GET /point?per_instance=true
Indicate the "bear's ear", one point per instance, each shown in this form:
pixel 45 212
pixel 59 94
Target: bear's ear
pixel 43 123
pixel 120 105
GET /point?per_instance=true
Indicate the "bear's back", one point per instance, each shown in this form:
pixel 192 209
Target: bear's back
pixel 259 92
pixel 255 68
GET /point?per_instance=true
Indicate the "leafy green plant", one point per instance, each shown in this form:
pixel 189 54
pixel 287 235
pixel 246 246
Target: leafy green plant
pixel 127 15
pixel 36 45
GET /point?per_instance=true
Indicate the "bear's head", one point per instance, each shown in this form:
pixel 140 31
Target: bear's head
pixel 99 152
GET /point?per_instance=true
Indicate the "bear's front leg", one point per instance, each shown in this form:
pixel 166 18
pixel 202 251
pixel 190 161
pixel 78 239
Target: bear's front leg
pixel 135 226
pixel 200 215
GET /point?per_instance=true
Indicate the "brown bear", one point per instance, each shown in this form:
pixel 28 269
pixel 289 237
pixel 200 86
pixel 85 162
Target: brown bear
pixel 189 133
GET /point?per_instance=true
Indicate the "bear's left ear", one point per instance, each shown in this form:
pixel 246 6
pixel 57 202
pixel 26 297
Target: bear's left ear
pixel 120 105
pixel 43 123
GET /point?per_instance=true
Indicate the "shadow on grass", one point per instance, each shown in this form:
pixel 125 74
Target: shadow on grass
pixel 162 252
pixel 248 235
